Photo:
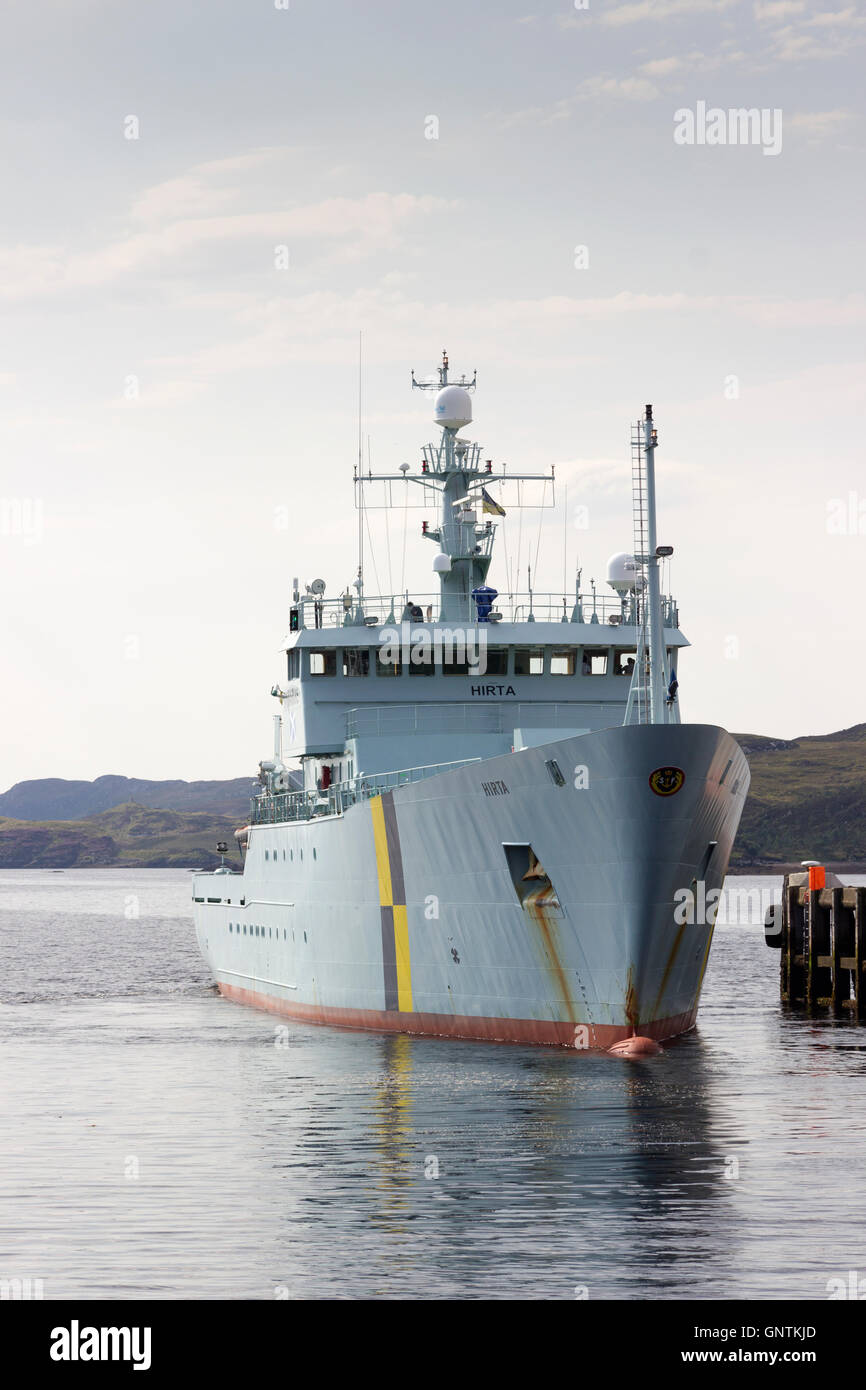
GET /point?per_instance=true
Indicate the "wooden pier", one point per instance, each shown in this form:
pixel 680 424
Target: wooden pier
pixel 821 931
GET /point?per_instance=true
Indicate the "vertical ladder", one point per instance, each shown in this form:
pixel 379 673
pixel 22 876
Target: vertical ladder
pixel 638 707
pixel 638 494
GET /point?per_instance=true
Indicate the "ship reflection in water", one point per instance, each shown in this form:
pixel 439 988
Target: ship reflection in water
pixel 168 1143
pixel 492 1171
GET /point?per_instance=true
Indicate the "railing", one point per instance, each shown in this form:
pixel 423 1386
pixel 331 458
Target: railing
pixel 475 719
pixel 379 610
pixel 276 808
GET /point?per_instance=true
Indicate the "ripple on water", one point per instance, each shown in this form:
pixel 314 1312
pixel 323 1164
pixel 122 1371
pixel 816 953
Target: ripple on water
pixel 157 1143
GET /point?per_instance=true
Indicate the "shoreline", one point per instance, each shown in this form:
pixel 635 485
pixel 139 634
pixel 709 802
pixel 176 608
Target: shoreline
pixel 761 869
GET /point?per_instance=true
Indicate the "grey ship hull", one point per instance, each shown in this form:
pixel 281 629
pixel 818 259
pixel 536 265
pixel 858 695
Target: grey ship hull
pixel 417 911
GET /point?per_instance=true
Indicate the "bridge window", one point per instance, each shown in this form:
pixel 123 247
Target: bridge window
pixel 497 661
pixel 595 661
pixel 385 666
pixel 529 661
pixel 623 663
pixel 293 659
pixel 356 661
pixel 323 663
pixel 563 661
pixel 422 668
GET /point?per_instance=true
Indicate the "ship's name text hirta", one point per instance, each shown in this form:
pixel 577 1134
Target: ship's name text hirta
pixel 495 789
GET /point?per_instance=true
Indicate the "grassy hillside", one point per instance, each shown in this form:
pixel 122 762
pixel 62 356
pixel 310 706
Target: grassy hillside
pixel 128 835
pixel 807 799
pixel 57 798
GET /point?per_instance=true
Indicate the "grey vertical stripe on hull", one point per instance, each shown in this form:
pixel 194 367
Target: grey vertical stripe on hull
pixel 398 891
pixel 389 960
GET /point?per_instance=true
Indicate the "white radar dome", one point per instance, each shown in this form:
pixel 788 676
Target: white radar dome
pixel 441 564
pixel 622 572
pixel 453 407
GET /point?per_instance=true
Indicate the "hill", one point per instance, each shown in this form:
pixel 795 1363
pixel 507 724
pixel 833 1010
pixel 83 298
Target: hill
pixel 56 799
pixel 125 836
pixel 807 800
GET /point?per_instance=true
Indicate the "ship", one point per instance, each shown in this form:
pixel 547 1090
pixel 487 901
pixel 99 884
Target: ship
pixel 483 814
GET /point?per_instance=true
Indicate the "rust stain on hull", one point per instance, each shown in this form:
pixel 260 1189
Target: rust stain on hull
pixel 632 1004
pixel 671 958
pixel 537 906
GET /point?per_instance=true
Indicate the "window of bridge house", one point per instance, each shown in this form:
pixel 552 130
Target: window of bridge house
pixel 422 668
pixel 293 661
pixel 594 661
pixel 497 661
pixel 323 662
pixel 624 662
pixel 386 665
pixel 563 661
pixel 356 661
pixel 529 661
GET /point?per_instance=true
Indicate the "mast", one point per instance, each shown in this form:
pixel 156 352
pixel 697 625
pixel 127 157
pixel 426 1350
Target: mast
pixel 454 468
pixel 652 560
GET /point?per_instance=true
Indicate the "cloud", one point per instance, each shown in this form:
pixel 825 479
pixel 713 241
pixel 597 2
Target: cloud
pixel 662 67
pixel 160 393
pixel 644 10
pixel 321 327
pixel 198 193
pixel 828 34
pixel 349 227
pixel 632 89
pixel 818 125
pixel 627 88
pixel 838 19
pixel 691 63
pixel 773 10
pixel 793 47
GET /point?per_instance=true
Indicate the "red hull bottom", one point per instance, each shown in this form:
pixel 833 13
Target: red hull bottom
pixel 511 1030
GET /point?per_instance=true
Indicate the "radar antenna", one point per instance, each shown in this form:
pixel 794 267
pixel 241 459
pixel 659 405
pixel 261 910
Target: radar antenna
pixel 442 378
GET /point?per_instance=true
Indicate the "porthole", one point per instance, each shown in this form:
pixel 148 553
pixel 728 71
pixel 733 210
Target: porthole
pixel 266 854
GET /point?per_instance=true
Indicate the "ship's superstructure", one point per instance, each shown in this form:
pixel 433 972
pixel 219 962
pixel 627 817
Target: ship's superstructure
pixel 500 808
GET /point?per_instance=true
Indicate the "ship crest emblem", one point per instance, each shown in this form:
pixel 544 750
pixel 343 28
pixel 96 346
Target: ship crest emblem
pixel 666 780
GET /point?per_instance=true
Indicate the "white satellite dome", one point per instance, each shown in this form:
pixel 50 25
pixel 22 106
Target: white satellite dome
pixel 441 564
pixel 623 573
pixel 453 407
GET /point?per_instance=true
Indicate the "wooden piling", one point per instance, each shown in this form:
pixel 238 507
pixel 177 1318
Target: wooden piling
pixel 823 948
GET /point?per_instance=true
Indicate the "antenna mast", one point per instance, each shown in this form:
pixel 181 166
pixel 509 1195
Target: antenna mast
pixel 360 584
pixel 651 559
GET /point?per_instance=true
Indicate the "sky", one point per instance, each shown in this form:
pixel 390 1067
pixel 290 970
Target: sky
pixel 205 205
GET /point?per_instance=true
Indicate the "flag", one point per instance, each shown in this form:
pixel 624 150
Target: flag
pixel 488 504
